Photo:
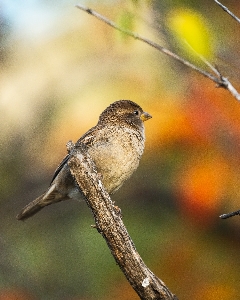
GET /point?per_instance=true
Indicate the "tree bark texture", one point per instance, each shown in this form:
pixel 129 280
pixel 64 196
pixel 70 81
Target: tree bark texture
pixel 109 223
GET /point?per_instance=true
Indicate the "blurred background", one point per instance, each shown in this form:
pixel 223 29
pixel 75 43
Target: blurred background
pixel 60 68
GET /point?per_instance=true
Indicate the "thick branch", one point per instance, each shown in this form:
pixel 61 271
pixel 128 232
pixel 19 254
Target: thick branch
pixel 109 223
pixel 220 80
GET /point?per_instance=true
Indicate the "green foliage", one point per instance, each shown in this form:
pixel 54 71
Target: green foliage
pixel 126 20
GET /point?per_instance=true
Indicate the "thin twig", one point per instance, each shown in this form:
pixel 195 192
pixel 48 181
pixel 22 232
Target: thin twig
pixel 229 215
pixel 220 80
pixel 204 60
pixel 215 70
pixel 228 11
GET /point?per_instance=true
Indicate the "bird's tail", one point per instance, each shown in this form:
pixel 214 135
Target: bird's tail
pixel 32 208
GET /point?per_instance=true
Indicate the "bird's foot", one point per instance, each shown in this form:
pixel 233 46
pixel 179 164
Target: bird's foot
pixel 70 146
pixel 118 211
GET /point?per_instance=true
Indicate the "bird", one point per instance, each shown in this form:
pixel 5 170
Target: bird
pixel 115 144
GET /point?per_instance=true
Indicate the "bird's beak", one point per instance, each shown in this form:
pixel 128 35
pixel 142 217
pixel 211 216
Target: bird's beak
pixel 145 116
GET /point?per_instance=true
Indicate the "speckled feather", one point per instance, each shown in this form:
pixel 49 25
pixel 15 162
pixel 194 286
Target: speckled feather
pixel 115 144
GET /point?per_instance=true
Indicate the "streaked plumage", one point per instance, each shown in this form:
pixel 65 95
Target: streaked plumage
pixel 115 144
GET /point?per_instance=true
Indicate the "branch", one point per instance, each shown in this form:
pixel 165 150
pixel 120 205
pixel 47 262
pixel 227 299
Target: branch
pixel 219 80
pixel 229 215
pixel 109 223
pixel 228 11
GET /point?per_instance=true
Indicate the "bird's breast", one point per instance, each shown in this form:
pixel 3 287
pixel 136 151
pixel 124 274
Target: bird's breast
pixel 117 156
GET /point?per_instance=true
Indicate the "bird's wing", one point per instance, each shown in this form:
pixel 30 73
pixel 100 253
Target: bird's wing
pixel 59 168
pixel 87 139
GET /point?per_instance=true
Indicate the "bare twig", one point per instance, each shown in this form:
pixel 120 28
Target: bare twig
pixel 219 80
pixel 229 215
pixel 109 223
pixel 215 70
pixel 204 60
pixel 228 11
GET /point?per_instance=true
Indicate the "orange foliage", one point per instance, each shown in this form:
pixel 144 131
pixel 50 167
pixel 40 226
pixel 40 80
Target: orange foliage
pixel 216 291
pixel 15 294
pixel 201 187
pixel 170 123
pixel 210 110
pixel 123 291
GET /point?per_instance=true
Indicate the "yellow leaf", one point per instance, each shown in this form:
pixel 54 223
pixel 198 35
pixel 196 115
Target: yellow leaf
pixel 191 31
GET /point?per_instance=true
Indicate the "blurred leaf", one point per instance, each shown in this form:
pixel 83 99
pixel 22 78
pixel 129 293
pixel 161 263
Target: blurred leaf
pixel 191 31
pixel 201 187
pixel 14 294
pixel 217 291
pixel 126 21
pixel 135 2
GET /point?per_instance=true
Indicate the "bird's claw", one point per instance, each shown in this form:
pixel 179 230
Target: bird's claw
pixel 118 210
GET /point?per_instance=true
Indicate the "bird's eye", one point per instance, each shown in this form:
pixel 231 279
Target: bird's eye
pixel 136 112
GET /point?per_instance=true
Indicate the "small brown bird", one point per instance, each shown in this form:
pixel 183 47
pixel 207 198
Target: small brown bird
pixel 115 144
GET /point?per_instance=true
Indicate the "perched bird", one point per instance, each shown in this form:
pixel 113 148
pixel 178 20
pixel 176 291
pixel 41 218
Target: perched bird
pixel 115 144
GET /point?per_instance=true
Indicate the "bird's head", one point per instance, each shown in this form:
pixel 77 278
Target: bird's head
pixel 124 112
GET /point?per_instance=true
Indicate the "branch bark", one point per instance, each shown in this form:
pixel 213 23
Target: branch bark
pixel 231 214
pixel 109 223
pixel 221 81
